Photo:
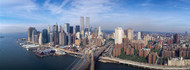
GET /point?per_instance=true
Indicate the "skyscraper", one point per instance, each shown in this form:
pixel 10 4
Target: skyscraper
pixel 56 27
pixel 186 34
pixel 88 24
pixel 30 29
pixel 176 38
pixel 81 23
pixel 77 28
pixel 99 31
pixel 119 35
pixel 40 39
pixel 55 32
pixel 130 33
pixel 139 36
pixel 95 32
pixel 51 37
pixel 49 29
pixel 34 32
pixel 142 35
pixel 71 30
pixel 67 28
pixel 60 29
pixel 61 38
pixel 44 36
pixel 55 40
pixel 69 39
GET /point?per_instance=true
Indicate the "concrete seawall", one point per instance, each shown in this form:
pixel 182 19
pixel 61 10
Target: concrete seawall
pixel 141 65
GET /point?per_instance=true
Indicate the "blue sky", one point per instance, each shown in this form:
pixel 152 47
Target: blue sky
pixel 141 15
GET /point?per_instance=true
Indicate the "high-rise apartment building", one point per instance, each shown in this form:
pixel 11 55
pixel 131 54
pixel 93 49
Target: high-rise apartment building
pixel 139 36
pixel 119 35
pixel 130 33
pixel 175 38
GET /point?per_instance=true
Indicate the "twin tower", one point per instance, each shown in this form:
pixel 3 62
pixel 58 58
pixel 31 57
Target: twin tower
pixel 87 28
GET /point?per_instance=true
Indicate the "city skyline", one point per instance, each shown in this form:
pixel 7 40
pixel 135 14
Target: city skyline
pixel 141 15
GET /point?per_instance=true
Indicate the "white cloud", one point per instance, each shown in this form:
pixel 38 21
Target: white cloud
pixel 18 5
pixel 91 8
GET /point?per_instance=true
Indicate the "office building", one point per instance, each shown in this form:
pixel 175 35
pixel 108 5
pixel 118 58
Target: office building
pixel 95 32
pixel 60 29
pixel 99 31
pixel 61 38
pixel 81 23
pixel 40 39
pixel 88 24
pixel 71 30
pixel 30 29
pixel 44 36
pixel 51 37
pixel 67 28
pixel 49 29
pixel 34 32
pixel 77 28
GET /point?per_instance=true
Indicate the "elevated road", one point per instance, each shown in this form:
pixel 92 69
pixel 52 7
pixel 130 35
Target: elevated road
pixel 85 63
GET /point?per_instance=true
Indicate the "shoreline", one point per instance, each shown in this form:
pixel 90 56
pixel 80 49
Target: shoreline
pixel 140 65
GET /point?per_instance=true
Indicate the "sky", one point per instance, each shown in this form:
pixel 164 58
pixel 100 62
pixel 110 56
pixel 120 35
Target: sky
pixel 141 15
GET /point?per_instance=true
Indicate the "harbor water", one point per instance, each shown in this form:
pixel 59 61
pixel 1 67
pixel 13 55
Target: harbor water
pixel 14 57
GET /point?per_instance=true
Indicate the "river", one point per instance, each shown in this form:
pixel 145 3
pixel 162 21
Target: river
pixel 14 57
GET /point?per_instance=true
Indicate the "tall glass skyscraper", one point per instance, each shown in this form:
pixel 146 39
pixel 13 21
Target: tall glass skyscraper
pixel 71 30
pixel 77 28
pixel 67 27
pixel 44 36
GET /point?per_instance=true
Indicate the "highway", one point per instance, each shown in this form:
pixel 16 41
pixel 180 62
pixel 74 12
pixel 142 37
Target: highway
pixel 143 65
pixel 84 64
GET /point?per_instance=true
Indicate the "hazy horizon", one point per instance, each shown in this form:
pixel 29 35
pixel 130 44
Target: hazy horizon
pixel 141 15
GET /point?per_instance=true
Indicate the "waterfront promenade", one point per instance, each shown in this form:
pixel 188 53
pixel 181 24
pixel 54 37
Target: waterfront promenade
pixel 67 51
pixel 141 65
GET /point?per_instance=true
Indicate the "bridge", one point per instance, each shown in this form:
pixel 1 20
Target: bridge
pixel 85 61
